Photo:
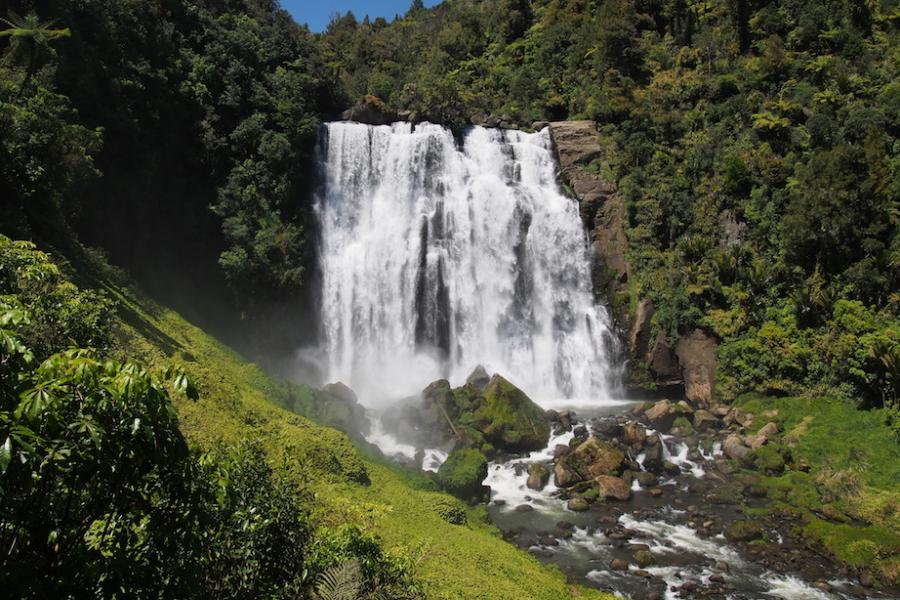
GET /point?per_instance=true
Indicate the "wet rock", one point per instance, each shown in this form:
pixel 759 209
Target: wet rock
pixel 644 558
pixel 866 579
pixel 661 415
pixel 634 434
pixel 577 504
pixel 617 564
pixel 538 476
pixel 705 421
pixel 656 492
pixel 607 428
pixel 613 488
pixel 565 476
pixel 717 578
pixel 595 457
pixel 565 525
pixel 539 125
pixel 525 430
pixel 671 468
pixel 524 508
pixel 646 479
pixel 580 434
pixel 723 566
pixel 822 585
pixel 479 378
pixel 653 456
pixel 561 450
pixel 734 448
pixel 566 419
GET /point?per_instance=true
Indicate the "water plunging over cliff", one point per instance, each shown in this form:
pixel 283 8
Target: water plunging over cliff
pixel 435 259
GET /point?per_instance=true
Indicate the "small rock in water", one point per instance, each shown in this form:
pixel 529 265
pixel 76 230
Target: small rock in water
pixel 656 492
pixel 524 508
pixel 617 564
pixel 577 504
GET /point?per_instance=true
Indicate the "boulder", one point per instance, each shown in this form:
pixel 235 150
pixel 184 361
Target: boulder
pixel 646 479
pixel 617 564
pixel 508 418
pixel 577 504
pixel 370 110
pixel 697 356
pixel 653 455
pixel 595 457
pixel 565 476
pixel 336 405
pixel 661 360
pixel 705 420
pixel 743 531
pixel 765 433
pixel 478 378
pixel 538 476
pixel 639 334
pixel 734 448
pixel 539 125
pixel 644 558
pixel 463 472
pixel 634 434
pixel 613 488
pixel 663 414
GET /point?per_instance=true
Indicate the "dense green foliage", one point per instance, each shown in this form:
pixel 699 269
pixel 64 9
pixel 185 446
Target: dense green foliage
pixel 755 146
pixel 100 492
pixel 167 132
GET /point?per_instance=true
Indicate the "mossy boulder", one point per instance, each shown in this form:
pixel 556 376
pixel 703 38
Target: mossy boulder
pixel 744 531
pixel 596 457
pixel 463 472
pixel 770 459
pixel 644 558
pixel 538 476
pixel 509 419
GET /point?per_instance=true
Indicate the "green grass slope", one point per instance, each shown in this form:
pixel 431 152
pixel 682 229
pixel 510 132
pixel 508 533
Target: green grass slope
pixel 414 520
pixel 849 490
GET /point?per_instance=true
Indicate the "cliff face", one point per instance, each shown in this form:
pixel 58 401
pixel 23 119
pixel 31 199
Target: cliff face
pixel 582 153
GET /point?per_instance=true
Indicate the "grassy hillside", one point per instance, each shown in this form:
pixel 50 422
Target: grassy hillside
pixel 238 400
pixel 847 487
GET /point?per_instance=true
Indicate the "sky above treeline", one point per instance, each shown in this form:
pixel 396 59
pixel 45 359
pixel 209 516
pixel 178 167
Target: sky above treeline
pixel 318 14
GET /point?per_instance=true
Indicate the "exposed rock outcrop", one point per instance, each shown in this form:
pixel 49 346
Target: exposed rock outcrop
pixel 580 150
pixel 697 356
pixel 370 110
pixel 639 335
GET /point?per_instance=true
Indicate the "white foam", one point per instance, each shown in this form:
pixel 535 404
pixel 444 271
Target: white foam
pixel 433 459
pixel 388 443
pixel 792 588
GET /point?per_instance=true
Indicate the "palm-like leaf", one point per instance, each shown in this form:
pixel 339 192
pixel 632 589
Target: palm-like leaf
pixel 29 37
pixel 341 582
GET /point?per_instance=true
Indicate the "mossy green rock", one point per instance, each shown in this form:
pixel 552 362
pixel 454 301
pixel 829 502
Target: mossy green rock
pixel 509 419
pixel 744 531
pixel 462 473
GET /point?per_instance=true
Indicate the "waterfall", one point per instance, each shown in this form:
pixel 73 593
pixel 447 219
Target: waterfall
pixel 437 257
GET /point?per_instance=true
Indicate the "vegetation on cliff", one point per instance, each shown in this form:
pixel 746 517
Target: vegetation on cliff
pixel 755 145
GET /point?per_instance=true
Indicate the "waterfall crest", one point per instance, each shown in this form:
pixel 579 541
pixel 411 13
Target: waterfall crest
pixel 437 258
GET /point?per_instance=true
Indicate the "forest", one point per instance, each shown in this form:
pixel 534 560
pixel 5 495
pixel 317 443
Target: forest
pixel 169 146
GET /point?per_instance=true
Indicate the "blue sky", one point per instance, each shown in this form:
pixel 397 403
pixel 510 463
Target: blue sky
pixel 317 14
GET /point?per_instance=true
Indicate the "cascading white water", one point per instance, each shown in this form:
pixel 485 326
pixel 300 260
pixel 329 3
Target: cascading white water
pixel 436 259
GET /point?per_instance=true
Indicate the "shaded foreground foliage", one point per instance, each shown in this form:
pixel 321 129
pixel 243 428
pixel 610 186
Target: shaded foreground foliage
pixel 102 496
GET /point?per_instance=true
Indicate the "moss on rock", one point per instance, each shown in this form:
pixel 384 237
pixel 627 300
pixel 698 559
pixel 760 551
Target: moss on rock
pixel 462 473
pixel 509 419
